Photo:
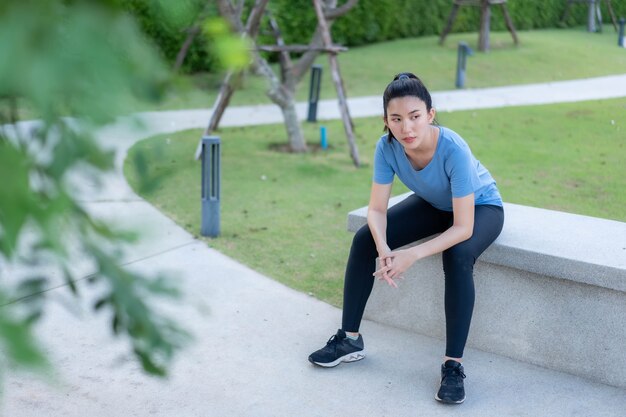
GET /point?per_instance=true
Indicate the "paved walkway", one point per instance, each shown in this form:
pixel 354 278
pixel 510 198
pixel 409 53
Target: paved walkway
pixel 253 334
pixel 519 95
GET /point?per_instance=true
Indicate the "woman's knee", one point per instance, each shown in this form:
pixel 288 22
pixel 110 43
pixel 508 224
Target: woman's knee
pixel 463 251
pixel 458 259
pixel 363 241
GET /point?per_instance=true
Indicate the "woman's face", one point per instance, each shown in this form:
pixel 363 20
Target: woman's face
pixel 409 121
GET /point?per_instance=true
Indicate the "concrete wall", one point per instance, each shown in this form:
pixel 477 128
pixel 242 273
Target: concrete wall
pixel 550 291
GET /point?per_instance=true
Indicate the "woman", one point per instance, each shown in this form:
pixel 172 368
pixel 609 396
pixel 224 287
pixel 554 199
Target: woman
pixel 454 195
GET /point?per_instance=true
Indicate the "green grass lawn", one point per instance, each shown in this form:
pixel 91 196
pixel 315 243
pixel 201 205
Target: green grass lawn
pixel 542 56
pixel 285 214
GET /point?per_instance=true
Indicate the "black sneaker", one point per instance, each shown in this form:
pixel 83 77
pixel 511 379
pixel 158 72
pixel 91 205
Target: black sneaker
pixel 339 348
pixel 452 390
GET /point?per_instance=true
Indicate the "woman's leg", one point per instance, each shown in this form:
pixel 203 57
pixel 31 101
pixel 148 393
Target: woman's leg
pixel 407 221
pixel 458 266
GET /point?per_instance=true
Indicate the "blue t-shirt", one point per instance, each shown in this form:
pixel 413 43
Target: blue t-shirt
pixel 453 172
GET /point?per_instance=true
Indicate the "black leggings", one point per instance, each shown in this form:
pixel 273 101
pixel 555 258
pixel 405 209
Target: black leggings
pixel 408 221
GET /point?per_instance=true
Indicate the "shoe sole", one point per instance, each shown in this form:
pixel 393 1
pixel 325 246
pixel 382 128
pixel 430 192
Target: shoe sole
pixel 350 357
pixel 448 401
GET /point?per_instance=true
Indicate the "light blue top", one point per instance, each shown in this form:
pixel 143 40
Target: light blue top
pixel 453 172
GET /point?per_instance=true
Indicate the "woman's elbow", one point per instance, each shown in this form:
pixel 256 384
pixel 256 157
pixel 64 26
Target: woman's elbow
pixel 374 212
pixel 466 233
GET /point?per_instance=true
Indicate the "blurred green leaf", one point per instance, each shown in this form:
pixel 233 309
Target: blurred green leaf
pixel 179 14
pixel 31 287
pixel 154 337
pixel 16 340
pixel 19 345
pixel 88 60
pixel 101 303
pixel 63 63
pixel 231 50
pixel 15 196
pixel 144 162
pixel 85 59
pixel 148 363
pixel 69 280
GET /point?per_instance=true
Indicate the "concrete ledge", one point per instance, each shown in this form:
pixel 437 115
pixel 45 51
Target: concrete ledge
pixel 550 291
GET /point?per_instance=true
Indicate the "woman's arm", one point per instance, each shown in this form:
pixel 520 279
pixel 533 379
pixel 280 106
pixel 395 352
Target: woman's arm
pixel 377 222
pixel 461 229
pixel 377 213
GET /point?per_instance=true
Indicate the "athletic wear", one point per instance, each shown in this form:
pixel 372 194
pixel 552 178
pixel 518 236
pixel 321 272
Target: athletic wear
pixel 453 172
pixel 339 348
pixel 414 219
pixel 452 390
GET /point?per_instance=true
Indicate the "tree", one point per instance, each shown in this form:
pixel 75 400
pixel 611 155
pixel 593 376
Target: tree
pixel 86 59
pixel 281 87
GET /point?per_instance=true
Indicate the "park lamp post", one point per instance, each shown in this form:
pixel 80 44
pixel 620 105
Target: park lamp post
pixel 211 186
pixel 463 51
pixel 314 92
pixel 591 18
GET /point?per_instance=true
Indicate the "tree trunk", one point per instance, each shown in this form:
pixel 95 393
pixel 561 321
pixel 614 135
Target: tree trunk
pixel 485 22
pixel 223 98
pixel 281 89
pixel 221 102
pixel 509 23
pixel 448 27
pixel 233 15
pixel 182 53
pixel 292 125
pixel 345 113
pixel 282 93
pixel 341 94
pixel 13 112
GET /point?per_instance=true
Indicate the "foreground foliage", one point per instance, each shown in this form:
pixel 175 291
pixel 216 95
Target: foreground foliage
pixel 87 59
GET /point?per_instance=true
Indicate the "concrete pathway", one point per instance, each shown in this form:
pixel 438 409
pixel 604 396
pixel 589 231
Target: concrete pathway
pixel 519 95
pixel 253 335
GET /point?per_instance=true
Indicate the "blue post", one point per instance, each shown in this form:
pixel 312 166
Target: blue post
pixel 211 186
pixel 323 138
pixel 314 92
pixel 463 51
pixel 620 39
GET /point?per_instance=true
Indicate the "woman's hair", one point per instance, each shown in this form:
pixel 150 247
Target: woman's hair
pixel 405 84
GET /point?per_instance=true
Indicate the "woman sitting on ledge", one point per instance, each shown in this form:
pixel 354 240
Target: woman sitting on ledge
pixel 454 195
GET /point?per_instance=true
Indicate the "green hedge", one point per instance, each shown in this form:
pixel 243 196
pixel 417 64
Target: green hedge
pixel 169 32
pixel 380 20
pixel 370 21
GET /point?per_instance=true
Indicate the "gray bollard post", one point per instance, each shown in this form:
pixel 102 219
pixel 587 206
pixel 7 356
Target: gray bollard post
pixel 314 92
pixel 211 185
pixel 591 16
pixel 620 39
pixel 463 51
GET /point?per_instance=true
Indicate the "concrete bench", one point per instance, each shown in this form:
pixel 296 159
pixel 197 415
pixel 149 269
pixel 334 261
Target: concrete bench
pixel 550 291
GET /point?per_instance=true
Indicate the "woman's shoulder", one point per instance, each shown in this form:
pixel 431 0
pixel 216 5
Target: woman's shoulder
pixel 451 140
pixel 384 144
pixel 384 139
pixel 451 135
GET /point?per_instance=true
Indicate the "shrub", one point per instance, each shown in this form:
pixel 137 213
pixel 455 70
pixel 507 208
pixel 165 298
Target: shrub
pixel 169 32
pixel 369 21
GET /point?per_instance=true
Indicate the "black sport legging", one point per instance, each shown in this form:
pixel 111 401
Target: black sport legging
pixel 408 221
